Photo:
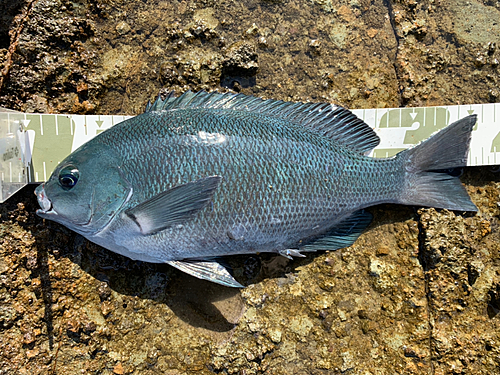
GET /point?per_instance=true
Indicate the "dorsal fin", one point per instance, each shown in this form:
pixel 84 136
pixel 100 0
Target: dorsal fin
pixel 159 102
pixel 331 121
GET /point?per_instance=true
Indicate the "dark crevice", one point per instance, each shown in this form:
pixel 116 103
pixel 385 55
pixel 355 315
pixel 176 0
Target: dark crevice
pixel 494 304
pixel 46 287
pixel 14 37
pixel 390 11
pixel 9 10
pixel 472 275
pixel 422 257
pixel 426 266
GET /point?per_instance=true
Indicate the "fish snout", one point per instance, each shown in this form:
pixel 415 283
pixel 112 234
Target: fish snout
pixel 43 200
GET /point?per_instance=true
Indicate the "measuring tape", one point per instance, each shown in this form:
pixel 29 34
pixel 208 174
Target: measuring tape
pixel 32 145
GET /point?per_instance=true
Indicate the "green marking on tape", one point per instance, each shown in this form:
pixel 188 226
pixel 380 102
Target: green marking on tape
pixel 428 120
pixel 52 143
pixel 431 120
pixel 495 145
pixel 386 152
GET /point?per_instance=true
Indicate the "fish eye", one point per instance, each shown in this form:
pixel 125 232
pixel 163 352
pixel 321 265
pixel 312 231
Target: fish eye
pixel 68 177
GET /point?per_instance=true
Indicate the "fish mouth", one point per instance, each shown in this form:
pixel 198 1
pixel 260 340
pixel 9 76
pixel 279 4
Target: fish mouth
pixel 44 202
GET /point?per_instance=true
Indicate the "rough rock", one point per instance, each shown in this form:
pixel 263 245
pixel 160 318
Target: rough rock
pixel 418 293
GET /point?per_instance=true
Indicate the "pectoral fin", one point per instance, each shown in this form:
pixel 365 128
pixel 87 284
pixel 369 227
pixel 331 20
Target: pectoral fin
pixel 173 206
pixel 205 270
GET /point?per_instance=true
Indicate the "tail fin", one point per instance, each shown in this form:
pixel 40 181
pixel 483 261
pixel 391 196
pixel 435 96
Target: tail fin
pixel 426 182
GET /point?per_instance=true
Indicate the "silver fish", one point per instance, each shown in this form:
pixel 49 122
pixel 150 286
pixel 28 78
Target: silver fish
pixel 208 175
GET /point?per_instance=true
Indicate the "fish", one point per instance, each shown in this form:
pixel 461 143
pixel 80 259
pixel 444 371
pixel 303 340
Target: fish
pixel 205 175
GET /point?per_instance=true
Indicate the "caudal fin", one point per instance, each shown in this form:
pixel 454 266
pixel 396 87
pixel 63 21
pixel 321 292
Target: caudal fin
pixel 426 182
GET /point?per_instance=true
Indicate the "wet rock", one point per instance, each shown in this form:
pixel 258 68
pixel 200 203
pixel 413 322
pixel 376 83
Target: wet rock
pixel 252 30
pixel 206 16
pixel 240 61
pixel 123 28
pixel 462 284
pixel 104 291
pixel 8 316
pixel 421 87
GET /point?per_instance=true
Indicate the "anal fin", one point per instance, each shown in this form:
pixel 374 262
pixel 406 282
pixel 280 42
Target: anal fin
pixel 343 234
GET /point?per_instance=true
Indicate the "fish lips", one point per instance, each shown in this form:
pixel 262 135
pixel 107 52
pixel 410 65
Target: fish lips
pixel 44 202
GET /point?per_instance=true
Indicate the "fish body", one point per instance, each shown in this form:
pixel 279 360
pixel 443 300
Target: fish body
pixel 208 175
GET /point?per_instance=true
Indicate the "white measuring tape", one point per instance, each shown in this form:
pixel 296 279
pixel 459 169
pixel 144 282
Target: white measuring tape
pixel 31 145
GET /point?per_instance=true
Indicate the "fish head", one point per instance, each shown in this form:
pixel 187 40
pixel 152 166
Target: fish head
pixel 86 190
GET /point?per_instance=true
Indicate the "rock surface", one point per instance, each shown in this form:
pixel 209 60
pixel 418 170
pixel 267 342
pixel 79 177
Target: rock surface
pixel 418 293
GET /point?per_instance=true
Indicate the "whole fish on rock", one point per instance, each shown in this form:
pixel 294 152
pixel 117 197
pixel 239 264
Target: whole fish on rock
pixel 206 175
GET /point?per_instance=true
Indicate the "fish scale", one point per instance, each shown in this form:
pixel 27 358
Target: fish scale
pixel 309 203
pixel 208 175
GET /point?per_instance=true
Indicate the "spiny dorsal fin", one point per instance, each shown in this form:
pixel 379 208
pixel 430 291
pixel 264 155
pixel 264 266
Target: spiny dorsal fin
pixel 159 102
pixel 333 122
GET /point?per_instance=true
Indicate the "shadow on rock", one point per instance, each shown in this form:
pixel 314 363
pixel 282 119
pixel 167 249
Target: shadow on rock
pixel 197 302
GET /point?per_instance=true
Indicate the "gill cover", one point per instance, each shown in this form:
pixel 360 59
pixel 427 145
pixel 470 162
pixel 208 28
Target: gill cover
pixel 86 190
